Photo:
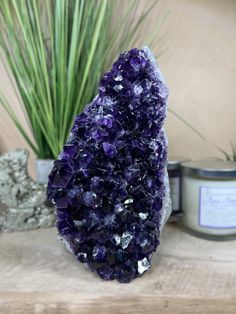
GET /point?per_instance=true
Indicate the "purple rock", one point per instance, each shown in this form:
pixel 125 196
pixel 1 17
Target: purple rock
pixel 106 121
pixel 110 182
pixel 89 198
pixel 99 253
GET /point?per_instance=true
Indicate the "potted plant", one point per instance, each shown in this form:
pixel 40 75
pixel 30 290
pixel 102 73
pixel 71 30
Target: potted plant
pixel 56 52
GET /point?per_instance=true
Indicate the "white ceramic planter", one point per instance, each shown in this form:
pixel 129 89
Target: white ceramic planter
pixel 43 168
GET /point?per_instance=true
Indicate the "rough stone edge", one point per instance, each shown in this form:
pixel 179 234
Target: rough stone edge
pixel 167 206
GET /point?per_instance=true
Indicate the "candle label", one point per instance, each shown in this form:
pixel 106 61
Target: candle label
pixel 217 207
pixel 175 193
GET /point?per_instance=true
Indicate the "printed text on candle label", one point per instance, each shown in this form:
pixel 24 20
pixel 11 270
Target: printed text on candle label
pixel 217 208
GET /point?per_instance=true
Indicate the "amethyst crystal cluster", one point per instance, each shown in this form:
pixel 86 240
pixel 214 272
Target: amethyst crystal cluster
pixel 110 184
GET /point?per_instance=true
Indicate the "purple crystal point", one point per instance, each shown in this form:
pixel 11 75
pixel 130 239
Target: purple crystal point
pixel 110 182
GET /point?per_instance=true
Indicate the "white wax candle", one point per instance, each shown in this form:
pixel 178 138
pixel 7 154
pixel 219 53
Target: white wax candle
pixel 209 197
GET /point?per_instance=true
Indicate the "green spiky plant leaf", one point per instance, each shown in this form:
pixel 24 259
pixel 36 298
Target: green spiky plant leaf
pixel 228 156
pixel 56 52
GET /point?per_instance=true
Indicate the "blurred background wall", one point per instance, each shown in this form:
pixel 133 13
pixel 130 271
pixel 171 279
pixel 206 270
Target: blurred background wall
pixel 196 45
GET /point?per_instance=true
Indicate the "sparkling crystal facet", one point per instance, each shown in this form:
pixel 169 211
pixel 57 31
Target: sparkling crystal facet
pixel 110 182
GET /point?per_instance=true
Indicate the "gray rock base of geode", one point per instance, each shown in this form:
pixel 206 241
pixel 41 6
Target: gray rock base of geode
pixel 167 205
pixel 23 203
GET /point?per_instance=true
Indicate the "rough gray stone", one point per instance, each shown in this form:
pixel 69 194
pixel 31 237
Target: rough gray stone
pixel 25 205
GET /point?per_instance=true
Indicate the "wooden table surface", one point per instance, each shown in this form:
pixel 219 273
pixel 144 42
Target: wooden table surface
pixel 189 275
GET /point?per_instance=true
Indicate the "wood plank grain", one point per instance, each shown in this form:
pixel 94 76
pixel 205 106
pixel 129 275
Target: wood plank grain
pixel 60 303
pixel 189 275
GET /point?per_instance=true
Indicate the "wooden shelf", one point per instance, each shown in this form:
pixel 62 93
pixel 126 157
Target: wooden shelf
pixel 189 275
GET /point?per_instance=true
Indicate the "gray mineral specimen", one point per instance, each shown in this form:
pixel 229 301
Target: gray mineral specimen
pixel 23 201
